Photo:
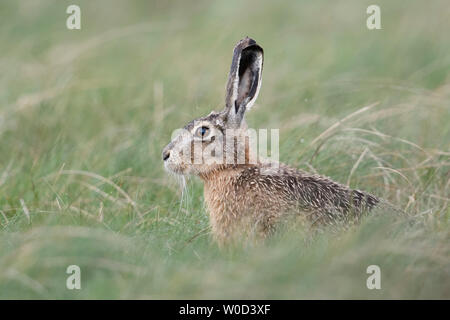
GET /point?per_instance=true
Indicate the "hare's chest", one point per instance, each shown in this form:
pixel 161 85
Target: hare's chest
pixel 224 206
pixel 221 198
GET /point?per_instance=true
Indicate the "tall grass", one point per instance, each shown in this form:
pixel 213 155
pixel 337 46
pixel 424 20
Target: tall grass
pixel 85 114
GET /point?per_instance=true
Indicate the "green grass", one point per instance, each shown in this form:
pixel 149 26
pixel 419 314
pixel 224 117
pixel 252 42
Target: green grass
pixel 85 114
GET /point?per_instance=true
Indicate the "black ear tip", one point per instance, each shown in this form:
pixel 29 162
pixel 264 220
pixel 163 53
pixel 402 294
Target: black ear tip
pixel 249 40
pixel 246 43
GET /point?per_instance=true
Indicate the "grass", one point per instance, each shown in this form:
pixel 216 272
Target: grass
pixel 85 114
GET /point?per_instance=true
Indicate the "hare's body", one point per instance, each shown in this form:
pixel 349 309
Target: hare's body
pixel 242 199
pixel 251 196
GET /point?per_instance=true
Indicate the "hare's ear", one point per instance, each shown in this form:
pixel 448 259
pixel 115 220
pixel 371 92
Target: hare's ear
pixel 244 80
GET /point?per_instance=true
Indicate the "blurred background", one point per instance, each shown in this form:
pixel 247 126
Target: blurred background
pixel 84 115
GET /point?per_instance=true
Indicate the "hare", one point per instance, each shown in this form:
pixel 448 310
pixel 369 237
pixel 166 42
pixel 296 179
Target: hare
pixel 245 196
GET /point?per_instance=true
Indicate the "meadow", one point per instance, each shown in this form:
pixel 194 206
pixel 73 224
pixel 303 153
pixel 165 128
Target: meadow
pixel 85 114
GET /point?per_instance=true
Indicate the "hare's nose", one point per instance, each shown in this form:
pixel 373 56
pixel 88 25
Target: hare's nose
pixel 165 155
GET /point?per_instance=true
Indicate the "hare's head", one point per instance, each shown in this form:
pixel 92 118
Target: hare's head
pixel 220 139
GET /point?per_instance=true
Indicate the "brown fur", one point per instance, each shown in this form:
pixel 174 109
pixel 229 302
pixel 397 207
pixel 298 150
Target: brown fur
pixel 241 197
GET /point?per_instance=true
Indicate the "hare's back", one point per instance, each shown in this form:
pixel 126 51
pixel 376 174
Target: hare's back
pixel 291 188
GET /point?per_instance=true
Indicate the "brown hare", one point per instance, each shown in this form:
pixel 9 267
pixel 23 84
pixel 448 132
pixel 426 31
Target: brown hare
pixel 245 196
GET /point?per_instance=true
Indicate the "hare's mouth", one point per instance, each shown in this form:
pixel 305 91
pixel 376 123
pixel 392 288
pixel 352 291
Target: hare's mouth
pixel 173 168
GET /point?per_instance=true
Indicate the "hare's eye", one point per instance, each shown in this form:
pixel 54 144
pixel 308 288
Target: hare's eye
pixel 202 132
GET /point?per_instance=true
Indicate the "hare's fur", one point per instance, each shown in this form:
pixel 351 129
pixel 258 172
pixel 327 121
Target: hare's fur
pixel 244 199
pixel 253 197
